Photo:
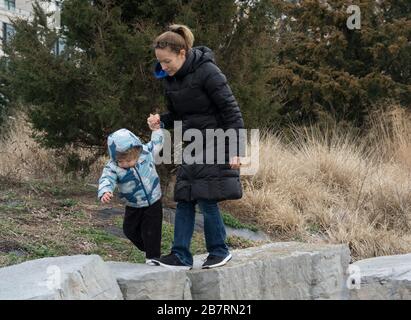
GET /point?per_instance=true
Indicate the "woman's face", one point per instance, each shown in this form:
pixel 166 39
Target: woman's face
pixel 170 61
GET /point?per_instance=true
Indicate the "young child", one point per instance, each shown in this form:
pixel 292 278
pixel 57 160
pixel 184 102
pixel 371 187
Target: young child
pixel 132 169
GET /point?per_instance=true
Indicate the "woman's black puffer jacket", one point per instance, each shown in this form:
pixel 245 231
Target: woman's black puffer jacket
pixel 199 96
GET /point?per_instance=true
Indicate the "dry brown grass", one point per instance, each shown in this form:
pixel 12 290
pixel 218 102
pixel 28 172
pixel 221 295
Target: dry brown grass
pixel 23 159
pixel 335 188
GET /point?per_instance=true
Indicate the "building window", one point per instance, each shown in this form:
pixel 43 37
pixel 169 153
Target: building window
pixel 59 46
pixel 10 4
pixel 8 32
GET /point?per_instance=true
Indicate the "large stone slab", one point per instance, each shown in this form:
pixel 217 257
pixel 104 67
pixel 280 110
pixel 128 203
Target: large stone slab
pixel 382 278
pixel 288 270
pixel 144 282
pixel 63 278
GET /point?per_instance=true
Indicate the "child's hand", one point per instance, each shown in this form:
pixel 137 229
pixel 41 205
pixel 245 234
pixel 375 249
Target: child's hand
pixel 154 121
pixel 106 198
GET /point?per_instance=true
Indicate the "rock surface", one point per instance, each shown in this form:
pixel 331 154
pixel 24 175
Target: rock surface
pixel 276 271
pixel 382 278
pixel 144 282
pixel 63 278
pixel 289 270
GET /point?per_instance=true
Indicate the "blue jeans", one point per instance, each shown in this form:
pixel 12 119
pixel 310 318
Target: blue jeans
pixel 214 230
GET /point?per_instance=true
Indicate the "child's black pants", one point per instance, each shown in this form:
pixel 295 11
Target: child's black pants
pixel 143 227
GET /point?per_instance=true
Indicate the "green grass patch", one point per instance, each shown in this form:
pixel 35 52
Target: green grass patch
pixel 8 259
pixel 233 222
pixel 111 247
pixel 67 203
pixel 197 243
pixel 59 190
pixel 9 228
pixel 7 195
pixel 31 251
pixel 118 221
pixel 167 236
pixel 97 235
pixel 37 251
pixel 13 207
pixel 240 243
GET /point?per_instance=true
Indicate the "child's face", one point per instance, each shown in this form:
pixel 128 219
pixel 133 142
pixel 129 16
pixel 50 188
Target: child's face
pixel 126 163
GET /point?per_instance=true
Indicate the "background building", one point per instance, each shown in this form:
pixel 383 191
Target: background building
pixel 10 9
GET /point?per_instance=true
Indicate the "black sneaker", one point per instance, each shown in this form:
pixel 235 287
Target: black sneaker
pixel 215 261
pixel 171 261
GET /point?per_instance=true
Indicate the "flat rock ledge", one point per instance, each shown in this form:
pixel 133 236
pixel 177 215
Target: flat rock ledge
pixel 63 278
pixel 381 278
pixel 287 270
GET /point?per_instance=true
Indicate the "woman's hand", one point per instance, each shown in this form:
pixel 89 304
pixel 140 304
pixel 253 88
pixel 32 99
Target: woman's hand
pixel 235 162
pixel 153 121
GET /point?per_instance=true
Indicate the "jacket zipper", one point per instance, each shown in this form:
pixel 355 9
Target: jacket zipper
pixel 144 189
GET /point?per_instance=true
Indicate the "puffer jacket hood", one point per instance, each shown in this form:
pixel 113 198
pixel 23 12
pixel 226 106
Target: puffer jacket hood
pixel 120 141
pixel 195 58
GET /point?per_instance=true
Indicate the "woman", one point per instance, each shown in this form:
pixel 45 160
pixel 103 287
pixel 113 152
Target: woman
pixel 197 93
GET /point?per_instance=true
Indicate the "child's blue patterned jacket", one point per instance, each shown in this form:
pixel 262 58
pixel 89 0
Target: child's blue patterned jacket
pixel 139 186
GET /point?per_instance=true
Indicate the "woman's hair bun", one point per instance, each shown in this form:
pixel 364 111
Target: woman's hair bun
pixel 185 32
